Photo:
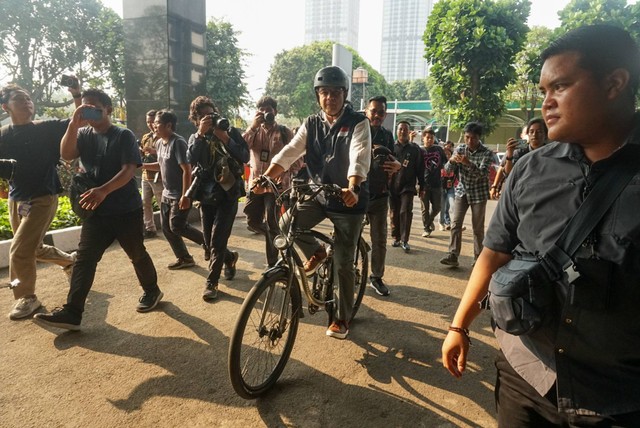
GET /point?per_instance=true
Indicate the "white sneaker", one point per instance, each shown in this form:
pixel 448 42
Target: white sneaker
pixel 442 228
pixel 68 270
pixel 24 307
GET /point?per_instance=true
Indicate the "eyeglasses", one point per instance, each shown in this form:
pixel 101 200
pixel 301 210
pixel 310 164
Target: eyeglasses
pixel 334 92
pixel 377 112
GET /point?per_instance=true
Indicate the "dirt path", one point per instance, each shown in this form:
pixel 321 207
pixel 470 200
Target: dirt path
pixel 168 368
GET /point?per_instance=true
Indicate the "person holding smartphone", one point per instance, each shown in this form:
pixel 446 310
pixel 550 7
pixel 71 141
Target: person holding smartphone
pixel 537 137
pixel 33 191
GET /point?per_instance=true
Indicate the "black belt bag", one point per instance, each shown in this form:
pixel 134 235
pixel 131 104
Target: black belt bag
pixel 522 290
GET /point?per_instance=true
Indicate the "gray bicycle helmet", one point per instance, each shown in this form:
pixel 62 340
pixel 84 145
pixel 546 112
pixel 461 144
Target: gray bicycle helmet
pixel 332 76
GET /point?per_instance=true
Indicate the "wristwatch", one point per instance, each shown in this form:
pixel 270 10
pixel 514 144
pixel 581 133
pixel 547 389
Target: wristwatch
pixel 355 188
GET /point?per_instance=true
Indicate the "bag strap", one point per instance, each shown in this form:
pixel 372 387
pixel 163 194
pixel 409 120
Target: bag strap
pixel 604 193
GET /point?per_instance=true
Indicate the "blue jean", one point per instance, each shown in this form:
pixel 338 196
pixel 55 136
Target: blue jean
pixel 97 234
pixel 448 195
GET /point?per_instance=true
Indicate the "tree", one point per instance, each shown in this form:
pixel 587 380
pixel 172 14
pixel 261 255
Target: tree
pixel 225 72
pixel 584 12
pixel 471 45
pixel 41 39
pixel 524 90
pixel 410 90
pixel 291 76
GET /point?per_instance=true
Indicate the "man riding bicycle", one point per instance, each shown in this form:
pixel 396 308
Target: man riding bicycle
pixel 336 143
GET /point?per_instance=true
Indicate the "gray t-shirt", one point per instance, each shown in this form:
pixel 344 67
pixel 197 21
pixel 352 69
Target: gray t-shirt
pixel 170 156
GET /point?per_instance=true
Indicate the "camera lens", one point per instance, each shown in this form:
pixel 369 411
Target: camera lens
pixel 269 117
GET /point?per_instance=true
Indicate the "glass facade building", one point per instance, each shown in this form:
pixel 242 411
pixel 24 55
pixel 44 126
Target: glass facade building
pixel 334 20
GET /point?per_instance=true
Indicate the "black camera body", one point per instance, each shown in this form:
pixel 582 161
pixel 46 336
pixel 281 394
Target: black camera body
pixel 7 168
pixel 68 81
pixel 220 122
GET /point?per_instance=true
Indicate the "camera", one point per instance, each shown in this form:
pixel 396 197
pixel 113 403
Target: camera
pixel 195 183
pixel 68 81
pixel 220 122
pixel 7 168
pixel 461 150
pixel 91 113
pixel 269 117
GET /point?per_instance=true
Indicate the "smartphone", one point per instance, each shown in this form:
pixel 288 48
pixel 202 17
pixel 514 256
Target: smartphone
pixel 522 144
pixel 91 113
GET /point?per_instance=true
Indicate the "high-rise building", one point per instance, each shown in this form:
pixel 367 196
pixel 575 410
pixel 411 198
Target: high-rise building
pixel 335 20
pixel 402 50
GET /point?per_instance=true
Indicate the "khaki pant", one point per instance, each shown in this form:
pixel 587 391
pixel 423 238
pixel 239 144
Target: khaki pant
pixel 30 221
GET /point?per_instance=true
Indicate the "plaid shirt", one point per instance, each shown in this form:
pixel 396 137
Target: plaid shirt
pixel 473 181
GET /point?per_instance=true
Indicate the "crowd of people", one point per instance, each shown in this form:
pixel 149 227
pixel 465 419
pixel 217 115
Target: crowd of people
pixel 573 371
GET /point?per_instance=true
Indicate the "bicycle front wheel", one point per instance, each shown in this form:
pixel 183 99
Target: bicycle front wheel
pixel 264 335
pixel 361 265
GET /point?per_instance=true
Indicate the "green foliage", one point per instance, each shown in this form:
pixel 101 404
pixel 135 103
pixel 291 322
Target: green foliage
pixel 225 72
pixel 410 90
pixel 584 12
pixel 471 45
pixel 525 88
pixel 41 39
pixel 65 217
pixel 291 79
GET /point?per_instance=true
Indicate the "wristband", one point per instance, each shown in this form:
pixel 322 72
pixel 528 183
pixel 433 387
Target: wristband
pixel 462 331
pixel 508 158
pixel 76 96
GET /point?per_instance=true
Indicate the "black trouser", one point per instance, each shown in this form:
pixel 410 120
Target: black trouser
pixel 175 226
pixel 401 215
pixel 431 203
pixel 258 208
pixel 97 234
pixel 217 223
pixel 519 405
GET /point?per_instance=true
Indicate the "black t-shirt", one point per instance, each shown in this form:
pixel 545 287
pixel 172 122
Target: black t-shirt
pixel 36 148
pixel 121 149
pixel 434 160
pixel 378 178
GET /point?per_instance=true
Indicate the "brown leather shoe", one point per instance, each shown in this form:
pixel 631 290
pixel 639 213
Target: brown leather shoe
pixel 311 265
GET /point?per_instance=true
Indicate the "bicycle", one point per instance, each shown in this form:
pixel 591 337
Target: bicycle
pixel 267 324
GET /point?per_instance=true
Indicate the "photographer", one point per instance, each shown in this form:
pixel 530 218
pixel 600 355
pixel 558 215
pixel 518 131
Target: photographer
pixel 265 138
pixel 34 188
pixel 537 137
pixel 219 151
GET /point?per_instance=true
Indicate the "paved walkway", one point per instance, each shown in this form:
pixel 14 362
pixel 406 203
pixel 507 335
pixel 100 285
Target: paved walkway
pixel 169 367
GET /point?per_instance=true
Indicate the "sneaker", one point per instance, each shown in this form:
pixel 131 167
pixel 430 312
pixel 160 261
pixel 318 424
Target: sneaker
pixel 338 329
pixel 448 227
pixel 230 267
pixel 442 227
pixel 432 227
pixel 68 270
pixel 210 292
pixel 150 234
pixel 426 234
pixel 207 253
pixel 406 247
pixel 379 286
pixel 450 260
pixel 182 263
pixel 311 265
pixel 463 228
pixel 59 318
pixel 24 307
pixel 396 243
pixel 148 301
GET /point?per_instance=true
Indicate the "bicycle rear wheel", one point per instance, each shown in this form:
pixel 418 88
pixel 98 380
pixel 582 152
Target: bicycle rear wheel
pixel 361 265
pixel 264 335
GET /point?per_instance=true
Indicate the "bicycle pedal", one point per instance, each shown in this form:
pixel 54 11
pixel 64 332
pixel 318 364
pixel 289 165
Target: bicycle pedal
pixel 312 309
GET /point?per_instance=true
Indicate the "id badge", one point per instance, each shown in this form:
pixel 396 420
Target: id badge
pixel 24 208
pixel 264 155
pixel 405 163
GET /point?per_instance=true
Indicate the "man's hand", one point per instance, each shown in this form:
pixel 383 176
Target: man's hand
pixel 349 197
pixel 512 145
pixel 391 166
pixel 184 203
pixel 92 198
pixel 454 353
pixel 258 119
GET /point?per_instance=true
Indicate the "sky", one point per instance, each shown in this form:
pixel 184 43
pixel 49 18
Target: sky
pixel 269 27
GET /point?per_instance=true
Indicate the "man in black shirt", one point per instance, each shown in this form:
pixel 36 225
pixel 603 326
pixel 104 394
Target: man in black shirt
pixel 434 160
pixel 403 186
pixel 111 153
pixel 34 189
pixel 383 166
pixel 581 367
